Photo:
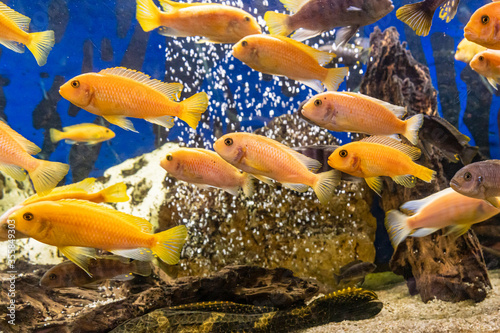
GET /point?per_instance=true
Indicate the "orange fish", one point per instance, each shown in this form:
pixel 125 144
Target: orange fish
pixel 482 27
pixel 14 35
pixel 268 159
pixel 215 22
pixel 116 93
pixel 467 50
pixel 487 63
pixel 77 227
pixel 445 208
pixel 206 168
pixel 284 56
pixel 15 155
pixel 380 156
pixel 350 112
pixel 88 133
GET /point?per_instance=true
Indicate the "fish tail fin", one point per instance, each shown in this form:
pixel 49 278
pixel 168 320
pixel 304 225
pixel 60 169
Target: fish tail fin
pixel 397 227
pixel 277 23
pixel 148 15
pixel 47 174
pixel 337 278
pixel 426 174
pixel 169 244
pixel 334 78
pixel 248 185
pixel 40 45
pixel 418 16
pixel 194 106
pixel 55 135
pixel 412 126
pixel 115 193
pixel 142 268
pixel 325 184
pixel 468 154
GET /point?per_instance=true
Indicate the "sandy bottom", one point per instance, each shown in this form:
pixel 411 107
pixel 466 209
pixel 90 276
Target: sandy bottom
pixel 405 313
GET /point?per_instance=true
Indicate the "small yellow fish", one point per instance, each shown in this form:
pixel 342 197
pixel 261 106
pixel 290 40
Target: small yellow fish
pixel 268 159
pixel 350 112
pixel 482 27
pixel 380 156
pixel 466 50
pixel 215 22
pixel 117 93
pixel 77 227
pixel 15 155
pixel 206 168
pixel 284 56
pixel 487 63
pixel 88 133
pixel 445 208
pixel 14 35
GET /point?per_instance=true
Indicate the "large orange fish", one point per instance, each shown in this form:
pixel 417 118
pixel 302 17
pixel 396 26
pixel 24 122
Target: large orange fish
pixel 284 56
pixel 15 155
pixel 350 112
pixel 77 227
pixel 487 63
pixel 215 22
pixel 269 159
pixel 206 168
pixel 14 35
pixel 482 27
pixel 377 156
pixel 445 208
pixel 117 93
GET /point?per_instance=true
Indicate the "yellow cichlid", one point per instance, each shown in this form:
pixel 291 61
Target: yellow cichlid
pixel 216 23
pixel 377 156
pixel 77 227
pixel 482 27
pixel 284 56
pixel 268 159
pixel 88 133
pixel 206 168
pixel 14 35
pixel 487 63
pixel 117 93
pixel 466 50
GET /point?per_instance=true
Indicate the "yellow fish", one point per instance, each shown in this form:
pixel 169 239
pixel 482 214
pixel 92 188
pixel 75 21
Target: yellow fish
pixel 77 227
pixel 482 27
pixel 487 63
pixel 466 50
pixel 380 156
pixel 117 93
pixel 268 159
pixel 88 133
pixel 215 22
pixel 206 168
pixel 15 155
pixel 284 56
pixel 14 35
pixel 445 208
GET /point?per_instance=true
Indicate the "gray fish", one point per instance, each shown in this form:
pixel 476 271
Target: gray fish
pixel 355 270
pixel 419 15
pixel 349 54
pixel 480 180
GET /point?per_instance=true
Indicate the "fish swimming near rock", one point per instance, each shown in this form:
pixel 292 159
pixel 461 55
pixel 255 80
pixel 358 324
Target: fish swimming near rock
pixel 487 63
pixel 358 113
pixel 268 159
pixel 438 132
pixel 15 155
pixel 377 156
pixel 281 56
pixel 444 209
pixel 316 16
pixel 216 23
pixel 482 27
pixel 480 180
pixel 117 93
pixel 68 274
pixel 419 15
pixel 354 271
pixel 466 50
pixel 78 227
pixel 14 35
pixel 87 133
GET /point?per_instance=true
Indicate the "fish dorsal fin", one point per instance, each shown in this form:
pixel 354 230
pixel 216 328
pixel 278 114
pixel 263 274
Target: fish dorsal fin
pixel 448 10
pixel 294 5
pixel 20 20
pixel 172 6
pixel 82 125
pixel 399 111
pixel 416 206
pixel 171 90
pixel 320 56
pixel 311 164
pixel 29 146
pixel 413 152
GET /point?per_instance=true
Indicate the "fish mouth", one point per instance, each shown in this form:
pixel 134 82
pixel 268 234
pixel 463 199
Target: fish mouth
pixel 454 184
pixel 301 115
pixel 468 34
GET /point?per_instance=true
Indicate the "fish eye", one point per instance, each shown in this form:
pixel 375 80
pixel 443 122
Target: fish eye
pixel 52 276
pixel 244 43
pixel 467 176
pixel 485 19
pixel 170 157
pixel 343 153
pixel 481 58
pixel 247 18
pixel 228 142
pixel 75 83
pixel 318 102
pixel 28 216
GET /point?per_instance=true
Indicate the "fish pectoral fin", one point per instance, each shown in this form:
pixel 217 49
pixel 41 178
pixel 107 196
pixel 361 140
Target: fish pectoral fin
pixel 232 190
pixel 314 84
pixel 143 254
pixel 165 121
pixel 123 277
pixel 296 187
pixel 70 142
pixel 206 40
pixel 79 255
pixel 303 34
pixel 422 232
pixel 121 121
pixel 14 46
pixel 13 171
pixel 405 180
pixel 344 34
pixel 458 229
pixel 354 9
pixel 493 82
pixel 448 10
pixel 494 201
pixel 375 183
pixel 264 179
